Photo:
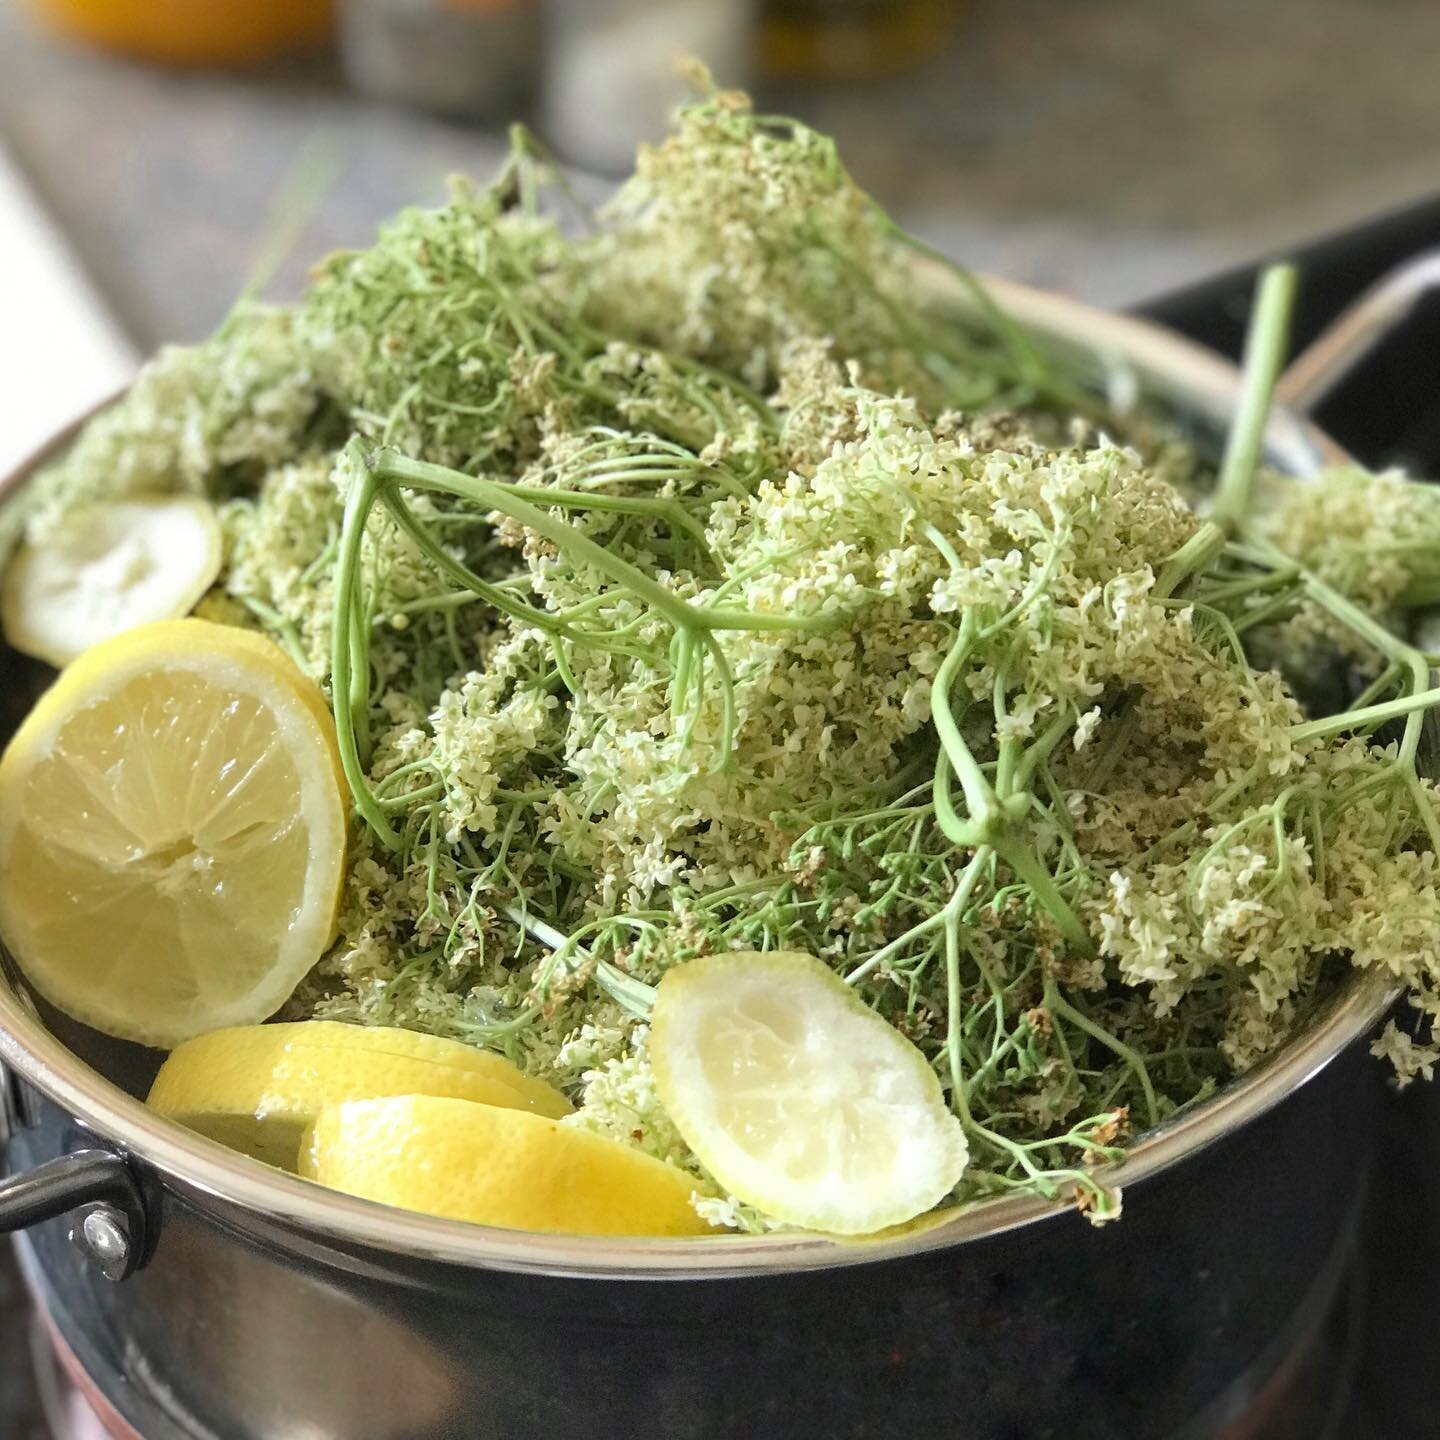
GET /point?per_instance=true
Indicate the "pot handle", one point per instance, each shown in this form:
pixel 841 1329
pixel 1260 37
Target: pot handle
pixel 1345 342
pixel 112 1225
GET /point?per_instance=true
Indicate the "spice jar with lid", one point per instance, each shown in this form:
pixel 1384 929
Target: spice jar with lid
pixel 613 69
pixel 472 58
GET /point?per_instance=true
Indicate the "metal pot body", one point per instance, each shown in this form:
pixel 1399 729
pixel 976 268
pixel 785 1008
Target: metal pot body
pixel 268 1309
pixel 1153 1327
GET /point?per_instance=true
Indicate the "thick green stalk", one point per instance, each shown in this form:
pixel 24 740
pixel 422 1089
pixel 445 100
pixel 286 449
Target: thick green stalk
pixel 1266 345
pixel 980 798
pixel 951 916
pixel 422 475
pixel 1265 349
pixel 345 692
pixel 1367 717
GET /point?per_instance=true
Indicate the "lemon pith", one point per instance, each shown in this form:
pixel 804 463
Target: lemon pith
pixel 172 833
pixel 256 1088
pixel 112 566
pixel 490 1166
pixel 798 1097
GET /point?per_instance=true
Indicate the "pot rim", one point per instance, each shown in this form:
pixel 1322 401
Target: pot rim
pixel 208 1173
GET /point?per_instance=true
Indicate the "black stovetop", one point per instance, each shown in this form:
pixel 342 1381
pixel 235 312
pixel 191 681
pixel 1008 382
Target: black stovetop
pixel 1374 1374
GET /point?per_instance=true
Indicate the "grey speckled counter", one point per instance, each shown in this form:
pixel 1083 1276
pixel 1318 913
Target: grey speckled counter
pixel 1108 147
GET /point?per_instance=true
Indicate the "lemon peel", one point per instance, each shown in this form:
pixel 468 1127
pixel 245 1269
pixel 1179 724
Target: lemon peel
pixel 495 1166
pixel 256 1088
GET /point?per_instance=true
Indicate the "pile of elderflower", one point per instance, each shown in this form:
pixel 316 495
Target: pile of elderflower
pixel 695 583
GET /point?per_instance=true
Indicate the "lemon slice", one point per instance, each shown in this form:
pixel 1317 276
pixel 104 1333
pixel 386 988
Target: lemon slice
pixel 257 1087
pixel 797 1097
pixel 496 1167
pixel 172 833
pixel 108 568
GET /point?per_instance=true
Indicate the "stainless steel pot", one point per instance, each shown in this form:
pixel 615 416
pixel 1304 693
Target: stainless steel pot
pixel 210 1296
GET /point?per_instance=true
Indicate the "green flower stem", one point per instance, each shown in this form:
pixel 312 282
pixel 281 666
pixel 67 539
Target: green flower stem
pixel 1238 589
pixel 1425 808
pixel 1378 686
pixel 1058 1004
pixel 380 475
pixel 895 947
pixel 1191 558
pixel 1017 851
pixel 1266 345
pixel 1366 717
pixel 669 511
pixel 284 628
pixel 980 797
pixel 1421 697
pixel 952 916
pixel 1020 856
pixel 386 465
pixel 1039 751
pixel 422 475
pixel 344 677
pixel 448 565
pixel 1265 348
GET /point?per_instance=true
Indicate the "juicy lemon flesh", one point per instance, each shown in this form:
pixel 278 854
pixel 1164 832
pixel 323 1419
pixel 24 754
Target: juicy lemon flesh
pixel 171 833
pixel 798 1098
pixel 257 1088
pixel 783 1105
pixel 148 852
pixel 499 1167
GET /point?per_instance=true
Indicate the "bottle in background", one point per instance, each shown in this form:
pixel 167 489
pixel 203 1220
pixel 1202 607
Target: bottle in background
pixel 612 69
pixel 851 39
pixel 473 58
pixel 194 32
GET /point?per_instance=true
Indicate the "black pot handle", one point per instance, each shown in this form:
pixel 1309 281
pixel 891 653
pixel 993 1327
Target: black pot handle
pixel 1356 331
pixel 112 1226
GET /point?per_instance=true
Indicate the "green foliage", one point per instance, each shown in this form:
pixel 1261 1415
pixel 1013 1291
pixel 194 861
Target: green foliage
pixel 688 585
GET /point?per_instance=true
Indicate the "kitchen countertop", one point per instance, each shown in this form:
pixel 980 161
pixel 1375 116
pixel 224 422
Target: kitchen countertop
pixel 1111 149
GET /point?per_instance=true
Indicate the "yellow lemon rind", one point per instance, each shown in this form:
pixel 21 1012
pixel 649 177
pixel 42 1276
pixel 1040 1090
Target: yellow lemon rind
pixel 505 1168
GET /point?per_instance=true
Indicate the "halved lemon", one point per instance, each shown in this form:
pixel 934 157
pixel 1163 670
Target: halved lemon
pixel 496 1167
pixel 109 567
pixel 257 1088
pixel 172 833
pixel 797 1097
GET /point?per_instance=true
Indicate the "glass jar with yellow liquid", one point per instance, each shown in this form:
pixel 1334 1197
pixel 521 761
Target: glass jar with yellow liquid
pixel 851 39
pixel 193 32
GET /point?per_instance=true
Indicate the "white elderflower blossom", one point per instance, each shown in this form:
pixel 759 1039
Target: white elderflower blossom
pixel 718 593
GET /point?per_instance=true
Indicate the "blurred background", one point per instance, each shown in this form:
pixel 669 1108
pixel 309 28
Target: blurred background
pixel 156 156
pixel 154 152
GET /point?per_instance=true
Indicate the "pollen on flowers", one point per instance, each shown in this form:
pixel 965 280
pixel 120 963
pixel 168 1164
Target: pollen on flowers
pixel 698 582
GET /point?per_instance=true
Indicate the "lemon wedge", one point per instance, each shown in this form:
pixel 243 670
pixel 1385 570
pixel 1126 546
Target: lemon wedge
pixel 496 1167
pixel 256 1088
pixel 172 833
pixel 797 1097
pixel 110 567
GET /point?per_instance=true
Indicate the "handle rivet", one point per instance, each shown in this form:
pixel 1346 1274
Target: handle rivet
pixel 102 1235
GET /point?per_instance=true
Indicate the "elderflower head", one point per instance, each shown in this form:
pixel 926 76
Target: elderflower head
pixel 719 593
